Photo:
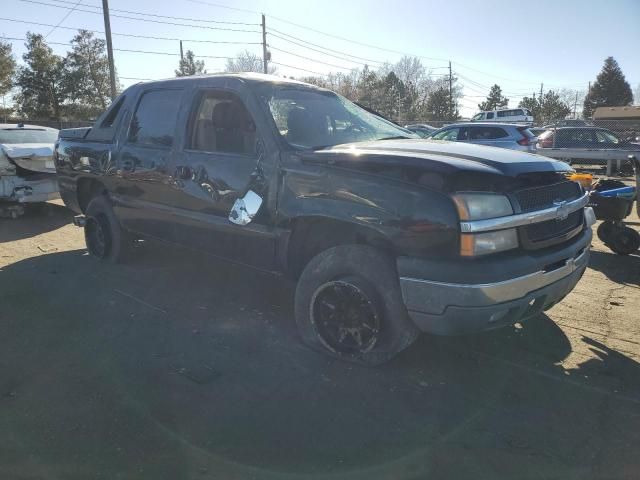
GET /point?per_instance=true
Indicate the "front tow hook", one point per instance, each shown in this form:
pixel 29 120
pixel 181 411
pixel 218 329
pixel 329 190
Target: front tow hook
pixel 79 220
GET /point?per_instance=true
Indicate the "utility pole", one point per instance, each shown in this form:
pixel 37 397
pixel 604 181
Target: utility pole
pixel 107 32
pixel 541 85
pixel 264 45
pixel 575 106
pixel 450 93
pixel 181 54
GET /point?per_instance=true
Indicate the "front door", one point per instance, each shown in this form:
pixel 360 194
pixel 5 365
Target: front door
pixel 218 165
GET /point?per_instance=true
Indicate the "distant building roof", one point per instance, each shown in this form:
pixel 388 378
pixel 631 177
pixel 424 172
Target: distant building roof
pixel 631 112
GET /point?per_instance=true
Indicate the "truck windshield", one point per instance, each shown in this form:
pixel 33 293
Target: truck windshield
pixel 310 118
pixel 25 135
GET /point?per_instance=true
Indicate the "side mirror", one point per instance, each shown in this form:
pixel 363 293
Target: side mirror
pixel 245 208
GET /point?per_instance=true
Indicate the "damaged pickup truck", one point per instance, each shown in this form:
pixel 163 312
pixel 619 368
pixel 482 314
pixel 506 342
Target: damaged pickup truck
pixel 385 234
pixel 27 171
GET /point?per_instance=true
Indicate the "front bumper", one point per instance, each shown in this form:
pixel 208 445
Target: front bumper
pixel 532 285
pixel 36 189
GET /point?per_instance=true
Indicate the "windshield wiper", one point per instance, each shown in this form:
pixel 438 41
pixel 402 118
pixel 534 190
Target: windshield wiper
pixel 397 137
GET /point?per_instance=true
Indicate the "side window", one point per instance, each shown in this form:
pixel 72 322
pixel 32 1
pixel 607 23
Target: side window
pixel 517 113
pixel 487 133
pixel 154 121
pixel 490 115
pixel 606 137
pixel 221 123
pixel 502 113
pixel 450 134
pixel 112 114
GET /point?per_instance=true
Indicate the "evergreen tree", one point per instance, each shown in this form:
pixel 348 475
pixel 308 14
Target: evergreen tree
pixel 438 106
pixel 494 100
pixel 610 89
pixel 7 67
pixel 86 77
pixel 40 81
pixel 190 66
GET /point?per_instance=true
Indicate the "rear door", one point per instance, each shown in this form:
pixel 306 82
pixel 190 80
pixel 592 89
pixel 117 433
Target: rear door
pixel 143 196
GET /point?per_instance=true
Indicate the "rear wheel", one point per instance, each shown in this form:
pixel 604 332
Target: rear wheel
pixel 348 304
pixel 103 234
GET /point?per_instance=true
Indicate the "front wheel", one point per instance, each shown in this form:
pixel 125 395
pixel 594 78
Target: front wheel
pixel 624 241
pixel 348 304
pixel 103 234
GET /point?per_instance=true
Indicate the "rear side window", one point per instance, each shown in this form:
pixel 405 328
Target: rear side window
pixel 487 133
pixel 112 114
pixel 154 121
pixel 450 134
pixel 510 113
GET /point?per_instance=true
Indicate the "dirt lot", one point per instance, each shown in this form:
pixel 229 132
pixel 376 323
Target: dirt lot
pixel 179 367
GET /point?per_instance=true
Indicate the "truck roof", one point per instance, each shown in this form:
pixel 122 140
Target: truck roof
pixel 247 77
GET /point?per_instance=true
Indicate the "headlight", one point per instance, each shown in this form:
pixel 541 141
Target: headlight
pixel 474 244
pixel 480 206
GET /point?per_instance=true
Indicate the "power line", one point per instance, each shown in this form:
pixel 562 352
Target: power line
pixel 129 34
pixel 298 68
pixel 134 12
pixel 148 52
pixel 319 46
pixel 63 18
pixel 310 59
pixel 317 50
pixel 206 27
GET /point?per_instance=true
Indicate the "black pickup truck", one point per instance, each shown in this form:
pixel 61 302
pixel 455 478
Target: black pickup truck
pixel 385 234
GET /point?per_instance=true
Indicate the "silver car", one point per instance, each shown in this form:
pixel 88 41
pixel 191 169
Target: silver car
pixel 505 135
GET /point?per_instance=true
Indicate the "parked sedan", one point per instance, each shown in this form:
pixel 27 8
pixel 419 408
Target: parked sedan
pixel 421 129
pixel 27 171
pixel 504 135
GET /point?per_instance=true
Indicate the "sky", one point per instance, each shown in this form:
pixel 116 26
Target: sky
pixel 518 45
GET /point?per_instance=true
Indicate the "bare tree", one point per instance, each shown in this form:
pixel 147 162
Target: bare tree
pixel 247 62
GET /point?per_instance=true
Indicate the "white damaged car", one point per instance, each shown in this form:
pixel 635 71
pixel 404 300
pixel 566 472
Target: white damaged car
pixel 27 170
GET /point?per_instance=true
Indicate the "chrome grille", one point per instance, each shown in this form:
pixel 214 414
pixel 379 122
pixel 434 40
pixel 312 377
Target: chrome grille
pixel 543 231
pixel 538 198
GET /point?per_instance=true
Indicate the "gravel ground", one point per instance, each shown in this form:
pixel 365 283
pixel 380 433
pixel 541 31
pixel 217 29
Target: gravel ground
pixel 180 367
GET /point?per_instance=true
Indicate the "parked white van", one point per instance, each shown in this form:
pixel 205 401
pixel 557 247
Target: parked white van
pixel 513 115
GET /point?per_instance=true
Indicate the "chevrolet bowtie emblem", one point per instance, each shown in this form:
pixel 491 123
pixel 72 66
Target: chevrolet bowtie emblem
pixel 562 210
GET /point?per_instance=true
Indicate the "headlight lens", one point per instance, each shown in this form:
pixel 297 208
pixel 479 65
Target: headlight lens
pixel 474 244
pixel 480 206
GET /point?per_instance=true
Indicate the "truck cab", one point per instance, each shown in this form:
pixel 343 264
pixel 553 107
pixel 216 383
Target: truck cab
pixel 385 234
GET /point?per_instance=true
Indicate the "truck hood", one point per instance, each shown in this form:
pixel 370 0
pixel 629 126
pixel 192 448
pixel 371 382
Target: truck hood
pixel 441 156
pixel 36 157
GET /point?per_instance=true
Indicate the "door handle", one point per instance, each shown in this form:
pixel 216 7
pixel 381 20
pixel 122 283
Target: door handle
pixel 183 172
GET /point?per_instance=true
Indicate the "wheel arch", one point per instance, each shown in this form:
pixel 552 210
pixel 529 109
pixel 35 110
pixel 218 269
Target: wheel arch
pixel 313 234
pixel 88 188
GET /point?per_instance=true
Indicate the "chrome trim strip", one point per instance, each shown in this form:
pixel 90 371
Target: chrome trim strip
pixel 511 221
pixel 434 297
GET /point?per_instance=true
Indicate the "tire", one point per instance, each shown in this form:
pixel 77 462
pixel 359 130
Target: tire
pixel 605 231
pixel 103 234
pixel 624 241
pixel 360 283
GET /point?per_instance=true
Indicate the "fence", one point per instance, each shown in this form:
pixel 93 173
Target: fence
pixel 59 124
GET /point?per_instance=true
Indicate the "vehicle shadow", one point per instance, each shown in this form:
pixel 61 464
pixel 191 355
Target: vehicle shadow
pixel 36 220
pixel 618 268
pixel 177 366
